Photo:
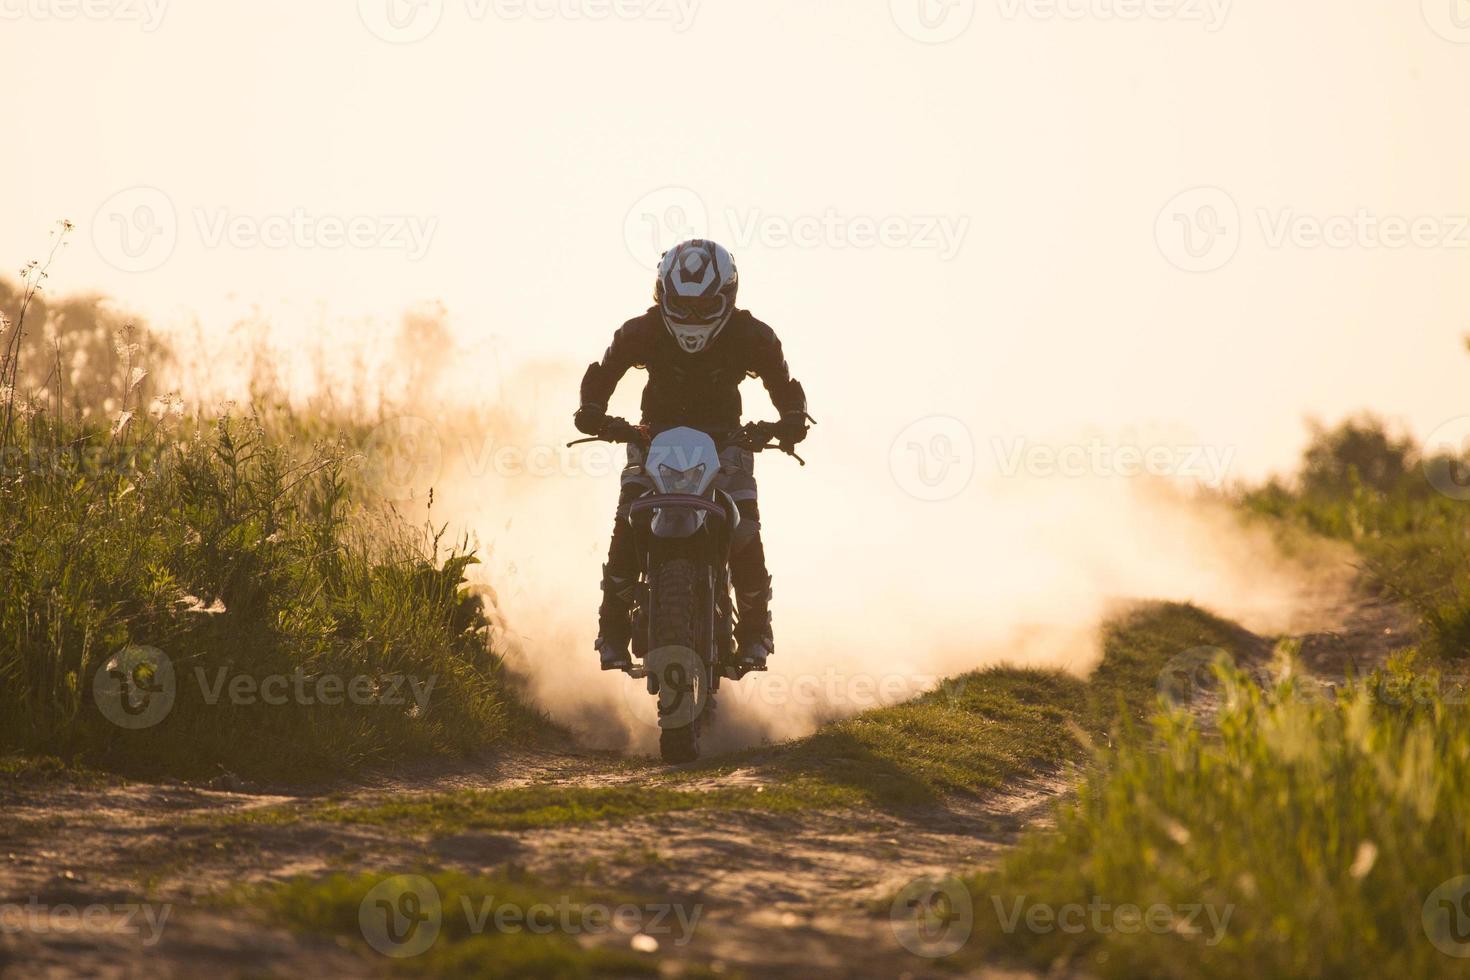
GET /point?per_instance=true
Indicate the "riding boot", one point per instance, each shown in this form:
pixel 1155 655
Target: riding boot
pixel 615 614
pixel 753 635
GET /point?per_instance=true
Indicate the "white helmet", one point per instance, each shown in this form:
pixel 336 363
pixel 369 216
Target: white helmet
pixel 696 288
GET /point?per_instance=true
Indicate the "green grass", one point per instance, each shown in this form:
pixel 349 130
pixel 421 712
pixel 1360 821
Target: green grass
pixel 1403 512
pixel 1304 835
pixel 529 807
pixel 111 540
pixel 1321 827
pixel 246 548
pixel 974 733
pixel 469 944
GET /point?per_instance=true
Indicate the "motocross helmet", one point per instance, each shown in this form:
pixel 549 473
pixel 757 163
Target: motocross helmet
pixel 695 292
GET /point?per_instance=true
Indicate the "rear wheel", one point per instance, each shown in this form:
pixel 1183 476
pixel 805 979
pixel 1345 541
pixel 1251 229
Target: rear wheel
pixel 676 608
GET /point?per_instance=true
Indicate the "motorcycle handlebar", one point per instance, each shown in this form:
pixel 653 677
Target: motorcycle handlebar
pixel 754 437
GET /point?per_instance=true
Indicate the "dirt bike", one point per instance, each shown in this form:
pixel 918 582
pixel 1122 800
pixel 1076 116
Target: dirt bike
pixel 683 613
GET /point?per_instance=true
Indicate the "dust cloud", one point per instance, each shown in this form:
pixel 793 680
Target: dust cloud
pixel 879 594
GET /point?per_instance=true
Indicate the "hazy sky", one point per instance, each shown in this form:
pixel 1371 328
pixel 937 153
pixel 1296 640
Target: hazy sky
pixel 987 227
pixel 1011 246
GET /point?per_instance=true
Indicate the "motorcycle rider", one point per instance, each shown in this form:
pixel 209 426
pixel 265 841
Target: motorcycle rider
pixel 697 347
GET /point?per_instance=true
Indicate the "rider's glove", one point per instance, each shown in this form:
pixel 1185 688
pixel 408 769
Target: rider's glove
pixel 791 429
pixel 590 419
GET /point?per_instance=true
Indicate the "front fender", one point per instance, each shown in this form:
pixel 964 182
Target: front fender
pixel 678 515
pixel 676 522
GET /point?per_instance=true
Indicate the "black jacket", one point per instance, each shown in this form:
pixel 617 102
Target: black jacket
pixel 700 390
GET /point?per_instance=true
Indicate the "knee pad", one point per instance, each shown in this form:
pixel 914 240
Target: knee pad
pixel 616 584
pixel 746 534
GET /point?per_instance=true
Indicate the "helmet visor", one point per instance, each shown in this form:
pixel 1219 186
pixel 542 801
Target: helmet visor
pixel 696 310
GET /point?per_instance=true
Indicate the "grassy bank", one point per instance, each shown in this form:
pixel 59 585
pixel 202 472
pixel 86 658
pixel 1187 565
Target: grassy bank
pixel 1310 833
pixel 972 734
pixel 189 598
pixel 1311 838
pixel 1405 510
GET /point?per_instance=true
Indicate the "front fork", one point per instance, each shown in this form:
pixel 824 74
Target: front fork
pixel 719 618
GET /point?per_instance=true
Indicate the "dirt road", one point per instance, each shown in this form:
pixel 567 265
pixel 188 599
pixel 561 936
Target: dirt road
pixel 778 894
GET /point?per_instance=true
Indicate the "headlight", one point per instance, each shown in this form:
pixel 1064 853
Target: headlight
pixel 681 481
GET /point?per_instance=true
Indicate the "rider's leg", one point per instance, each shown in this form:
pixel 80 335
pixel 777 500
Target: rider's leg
pixel 752 583
pixel 619 576
pixel 748 574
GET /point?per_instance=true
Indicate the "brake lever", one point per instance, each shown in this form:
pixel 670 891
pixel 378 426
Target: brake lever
pixel 641 441
pixel 788 450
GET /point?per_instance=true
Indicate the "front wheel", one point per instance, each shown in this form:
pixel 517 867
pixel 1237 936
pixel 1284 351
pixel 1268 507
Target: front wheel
pixel 676 745
pixel 676 605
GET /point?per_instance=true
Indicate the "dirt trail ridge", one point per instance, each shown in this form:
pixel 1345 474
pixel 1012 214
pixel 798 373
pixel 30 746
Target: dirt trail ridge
pixel 779 895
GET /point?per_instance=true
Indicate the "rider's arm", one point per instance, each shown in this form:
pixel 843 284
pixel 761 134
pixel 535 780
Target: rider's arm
pixel 786 392
pixel 602 378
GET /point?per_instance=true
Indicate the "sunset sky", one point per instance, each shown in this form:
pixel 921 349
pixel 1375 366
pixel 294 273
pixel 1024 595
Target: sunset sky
pixel 1011 247
pixel 522 161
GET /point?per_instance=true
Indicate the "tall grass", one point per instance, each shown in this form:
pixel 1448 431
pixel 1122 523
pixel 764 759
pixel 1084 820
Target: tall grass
pixel 1310 832
pixel 1319 830
pixel 1360 483
pixel 242 548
